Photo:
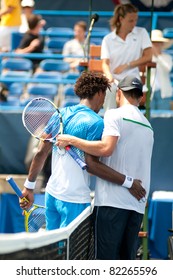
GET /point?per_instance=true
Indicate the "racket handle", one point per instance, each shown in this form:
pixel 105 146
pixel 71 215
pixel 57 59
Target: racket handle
pixel 14 187
pixel 75 156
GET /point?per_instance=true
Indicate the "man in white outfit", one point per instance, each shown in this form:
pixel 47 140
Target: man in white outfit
pixel 126 146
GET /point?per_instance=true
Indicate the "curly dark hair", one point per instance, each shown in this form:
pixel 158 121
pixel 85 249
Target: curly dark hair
pixel 89 83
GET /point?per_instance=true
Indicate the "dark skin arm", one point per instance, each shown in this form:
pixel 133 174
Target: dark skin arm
pixel 103 171
pixel 36 166
pixel 95 167
pixel 101 148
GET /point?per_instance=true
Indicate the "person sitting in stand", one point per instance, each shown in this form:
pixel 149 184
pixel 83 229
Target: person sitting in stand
pixel 76 46
pixel 32 41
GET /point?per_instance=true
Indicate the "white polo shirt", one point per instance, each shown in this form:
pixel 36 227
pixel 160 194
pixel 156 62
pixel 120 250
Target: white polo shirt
pixel 73 47
pixel 132 156
pixel 120 51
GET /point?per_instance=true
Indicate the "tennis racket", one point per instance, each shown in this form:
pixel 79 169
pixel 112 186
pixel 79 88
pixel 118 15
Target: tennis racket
pixel 43 121
pixel 34 217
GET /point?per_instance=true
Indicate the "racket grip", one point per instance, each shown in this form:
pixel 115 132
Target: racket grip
pixel 75 156
pixel 14 187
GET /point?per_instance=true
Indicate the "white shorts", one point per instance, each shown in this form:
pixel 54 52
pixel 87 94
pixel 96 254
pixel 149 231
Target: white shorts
pixel 5 37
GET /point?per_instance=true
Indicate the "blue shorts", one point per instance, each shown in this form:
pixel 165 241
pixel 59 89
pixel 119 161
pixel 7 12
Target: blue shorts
pixel 60 213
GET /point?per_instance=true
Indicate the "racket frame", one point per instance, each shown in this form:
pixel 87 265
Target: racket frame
pixel 74 155
pixel 26 213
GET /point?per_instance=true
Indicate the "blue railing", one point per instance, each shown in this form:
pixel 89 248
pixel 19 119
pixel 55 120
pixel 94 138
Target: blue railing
pixel 156 16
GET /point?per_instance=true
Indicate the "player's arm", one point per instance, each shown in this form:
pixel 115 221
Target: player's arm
pixel 105 172
pixel 35 168
pixel 104 147
pixel 38 161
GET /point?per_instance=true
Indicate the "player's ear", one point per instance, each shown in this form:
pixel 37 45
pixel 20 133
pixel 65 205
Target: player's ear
pixel 119 93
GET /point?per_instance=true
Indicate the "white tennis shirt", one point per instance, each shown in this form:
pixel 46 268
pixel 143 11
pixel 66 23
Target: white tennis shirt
pixel 132 156
pixel 120 51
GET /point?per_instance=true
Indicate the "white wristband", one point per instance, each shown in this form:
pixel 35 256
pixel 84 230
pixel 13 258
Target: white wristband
pixel 29 185
pixel 128 182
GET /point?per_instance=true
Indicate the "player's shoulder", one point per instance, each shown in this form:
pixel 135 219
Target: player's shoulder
pixel 113 112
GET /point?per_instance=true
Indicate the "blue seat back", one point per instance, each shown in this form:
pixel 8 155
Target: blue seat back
pixel 60 32
pixel 55 45
pixel 54 65
pixel 19 64
pixel 46 90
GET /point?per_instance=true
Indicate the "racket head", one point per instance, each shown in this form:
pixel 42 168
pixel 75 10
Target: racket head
pixel 42 119
pixel 35 218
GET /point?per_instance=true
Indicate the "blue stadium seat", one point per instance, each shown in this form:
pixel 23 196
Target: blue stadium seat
pixel 10 103
pixel 69 92
pixel 60 32
pixel 104 30
pixel 16 37
pixel 17 64
pixel 55 45
pixel 96 40
pixel 16 74
pixel 71 76
pixel 48 75
pixel 100 31
pixel 54 65
pixel 46 90
pixel 168 32
pixel 16 89
pixel 70 102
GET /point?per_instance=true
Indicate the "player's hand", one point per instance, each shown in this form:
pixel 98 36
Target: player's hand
pixel 63 140
pixel 28 200
pixel 137 190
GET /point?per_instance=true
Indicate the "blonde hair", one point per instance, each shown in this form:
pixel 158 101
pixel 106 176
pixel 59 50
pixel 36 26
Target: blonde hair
pixel 121 11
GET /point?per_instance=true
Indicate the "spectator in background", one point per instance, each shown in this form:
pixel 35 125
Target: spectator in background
pixel 32 41
pixel 27 10
pixel 76 46
pixel 160 76
pixel 124 49
pixel 10 15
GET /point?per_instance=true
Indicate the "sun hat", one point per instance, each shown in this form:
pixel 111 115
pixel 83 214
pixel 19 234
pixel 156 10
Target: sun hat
pixel 130 82
pixel 27 3
pixel 157 36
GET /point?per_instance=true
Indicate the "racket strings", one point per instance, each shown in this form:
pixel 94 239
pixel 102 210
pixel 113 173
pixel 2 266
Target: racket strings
pixel 42 117
pixel 36 219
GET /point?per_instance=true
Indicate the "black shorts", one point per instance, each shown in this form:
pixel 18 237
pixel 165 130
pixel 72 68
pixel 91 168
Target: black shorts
pixel 116 233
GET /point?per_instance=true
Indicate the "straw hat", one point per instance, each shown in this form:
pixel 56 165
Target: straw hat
pixel 157 36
